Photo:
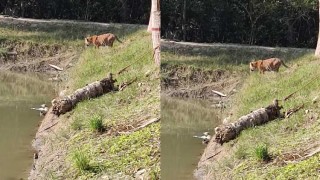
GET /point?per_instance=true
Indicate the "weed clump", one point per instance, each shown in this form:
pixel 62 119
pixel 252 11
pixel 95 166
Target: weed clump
pixel 261 152
pixel 81 161
pixel 96 124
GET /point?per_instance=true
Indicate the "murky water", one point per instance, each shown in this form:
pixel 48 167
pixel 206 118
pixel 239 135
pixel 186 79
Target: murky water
pixel 18 123
pixel 180 121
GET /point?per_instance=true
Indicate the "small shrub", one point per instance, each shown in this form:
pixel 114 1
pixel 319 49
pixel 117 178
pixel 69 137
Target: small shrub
pixel 261 152
pixel 95 123
pixel 81 161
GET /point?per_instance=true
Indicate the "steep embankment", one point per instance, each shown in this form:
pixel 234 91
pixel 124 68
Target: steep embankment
pixel 288 141
pixel 73 146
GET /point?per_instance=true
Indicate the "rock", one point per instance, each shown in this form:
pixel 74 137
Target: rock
pixel 315 100
pixel 139 174
pixel 147 74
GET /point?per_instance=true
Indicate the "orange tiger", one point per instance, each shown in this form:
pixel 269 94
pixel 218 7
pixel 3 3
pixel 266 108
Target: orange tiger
pixel 101 40
pixel 272 64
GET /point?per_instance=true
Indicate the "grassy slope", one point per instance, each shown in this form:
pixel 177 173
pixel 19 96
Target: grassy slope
pixel 294 135
pixel 291 136
pixel 123 153
pixel 106 154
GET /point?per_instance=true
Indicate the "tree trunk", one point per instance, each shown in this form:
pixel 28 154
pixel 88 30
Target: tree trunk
pixel 95 89
pixel 124 10
pixel 317 53
pixel 227 132
pixel 86 16
pixel 154 27
pixel 184 20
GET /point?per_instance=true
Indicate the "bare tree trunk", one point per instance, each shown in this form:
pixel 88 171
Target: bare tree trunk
pixel 124 10
pixel 227 132
pixel 155 28
pixel 317 53
pixel 95 89
pixel 86 17
pixel 184 20
pixel 22 8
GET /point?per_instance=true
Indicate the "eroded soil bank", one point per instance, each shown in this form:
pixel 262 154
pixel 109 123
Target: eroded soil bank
pixel 33 57
pixel 190 82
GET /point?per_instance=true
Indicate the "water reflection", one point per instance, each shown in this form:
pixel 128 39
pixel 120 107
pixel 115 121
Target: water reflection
pixel 180 121
pixel 18 123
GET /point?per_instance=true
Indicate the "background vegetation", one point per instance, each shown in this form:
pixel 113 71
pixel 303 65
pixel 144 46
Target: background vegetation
pixel 270 22
pixel 120 11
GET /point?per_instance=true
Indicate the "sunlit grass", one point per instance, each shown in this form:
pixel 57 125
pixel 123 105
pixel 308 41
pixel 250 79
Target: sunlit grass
pixel 81 160
pixel 261 152
pixel 96 124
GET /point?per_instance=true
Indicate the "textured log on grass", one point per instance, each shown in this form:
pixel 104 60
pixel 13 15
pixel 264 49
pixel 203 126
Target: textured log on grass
pixel 92 90
pixel 227 132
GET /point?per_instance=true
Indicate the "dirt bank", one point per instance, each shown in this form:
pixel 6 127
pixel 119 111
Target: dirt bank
pixel 190 82
pixel 21 56
pixel 48 125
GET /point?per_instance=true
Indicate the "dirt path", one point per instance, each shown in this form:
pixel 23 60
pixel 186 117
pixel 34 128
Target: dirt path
pixel 193 47
pixel 20 21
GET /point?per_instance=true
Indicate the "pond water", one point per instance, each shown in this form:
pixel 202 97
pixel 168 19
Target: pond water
pixel 180 121
pixel 18 123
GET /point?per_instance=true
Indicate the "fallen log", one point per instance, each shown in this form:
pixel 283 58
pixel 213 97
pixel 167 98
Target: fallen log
pixel 227 132
pixel 92 90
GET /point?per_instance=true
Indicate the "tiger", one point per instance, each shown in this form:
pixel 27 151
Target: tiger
pixel 272 64
pixel 101 40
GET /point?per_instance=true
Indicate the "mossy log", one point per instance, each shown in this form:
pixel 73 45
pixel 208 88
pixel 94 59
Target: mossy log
pixel 92 90
pixel 227 132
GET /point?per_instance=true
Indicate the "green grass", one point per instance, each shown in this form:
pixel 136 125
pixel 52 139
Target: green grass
pixel 283 136
pixel 232 59
pixel 261 152
pixel 66 34
pixel 114 154
pixel 81 160
pixel 96 124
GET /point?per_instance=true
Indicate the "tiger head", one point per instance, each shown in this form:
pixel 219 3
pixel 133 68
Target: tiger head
pixel 253 65
pixel 90 40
